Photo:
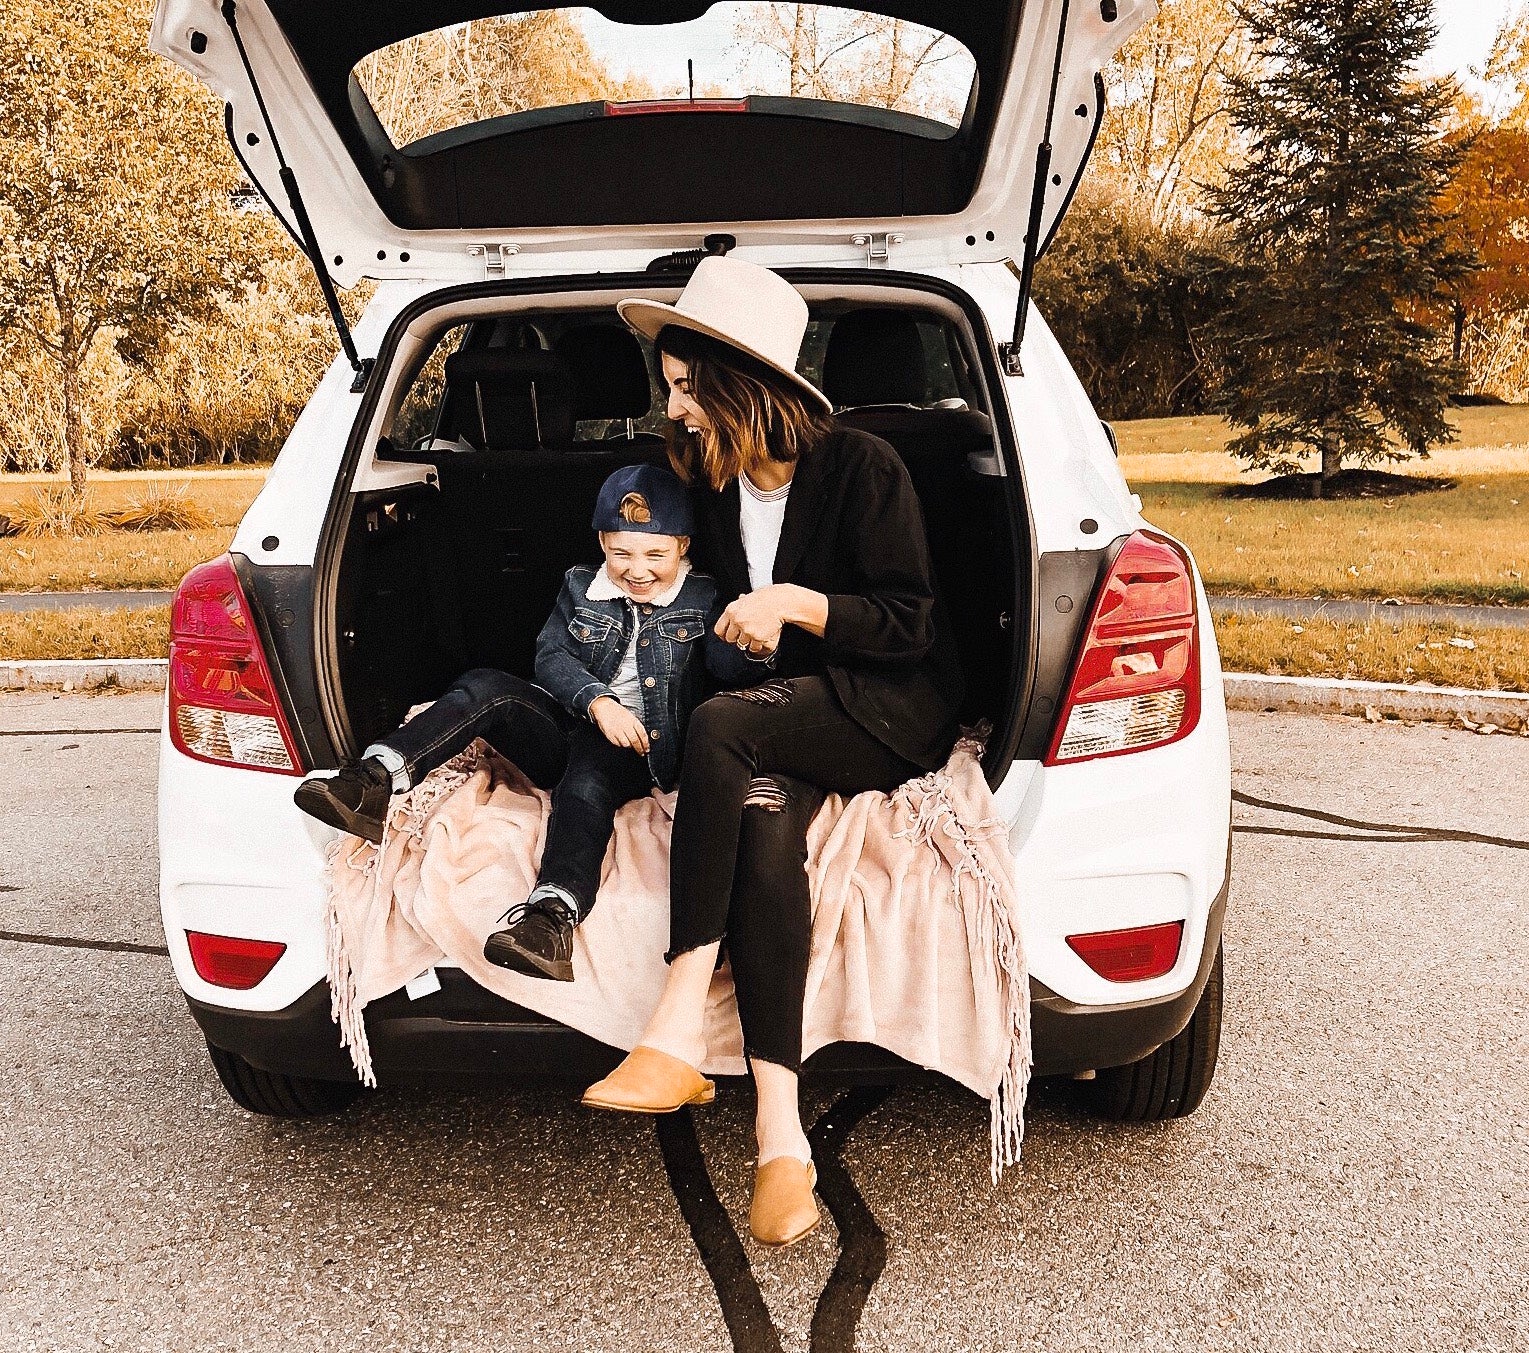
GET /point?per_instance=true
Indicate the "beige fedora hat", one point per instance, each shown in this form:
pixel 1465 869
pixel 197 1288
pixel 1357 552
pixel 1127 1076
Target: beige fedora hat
pixel 738 303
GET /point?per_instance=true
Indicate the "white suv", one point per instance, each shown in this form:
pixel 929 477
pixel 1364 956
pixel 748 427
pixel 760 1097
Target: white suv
pixel 439 482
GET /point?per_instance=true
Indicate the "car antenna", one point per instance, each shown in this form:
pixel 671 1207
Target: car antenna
pixel 309 240
pixel 1010 351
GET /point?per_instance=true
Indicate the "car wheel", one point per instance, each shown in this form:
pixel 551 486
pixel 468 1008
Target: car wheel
pixel 1170 1082
pixel 276 1095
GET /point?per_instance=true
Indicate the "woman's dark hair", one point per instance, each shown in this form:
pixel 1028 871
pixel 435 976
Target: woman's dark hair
pixel 756 414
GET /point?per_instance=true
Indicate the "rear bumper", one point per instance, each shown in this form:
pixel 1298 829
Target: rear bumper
pixel 464 1034
pixel 1070 1038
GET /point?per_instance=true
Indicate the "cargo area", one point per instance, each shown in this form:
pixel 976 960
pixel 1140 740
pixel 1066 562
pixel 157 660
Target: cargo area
pixel 513 420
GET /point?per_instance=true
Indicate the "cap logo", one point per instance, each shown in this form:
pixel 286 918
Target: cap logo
pixel 634 509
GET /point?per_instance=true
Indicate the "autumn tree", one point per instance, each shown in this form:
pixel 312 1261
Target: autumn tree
pixel 823 52
pixel 1488 201
pixel 1505 72
pixel 485 68
pixel 1167 129
pixel 114 192
pixel 1335 218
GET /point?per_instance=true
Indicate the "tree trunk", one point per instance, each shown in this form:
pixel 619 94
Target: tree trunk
pixel 1332 462
pixel 74 425
pixel 1459 331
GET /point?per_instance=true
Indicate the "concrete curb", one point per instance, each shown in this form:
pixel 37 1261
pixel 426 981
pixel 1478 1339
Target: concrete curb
pixel 1244 690
pixel 1324 695
pixel 85 674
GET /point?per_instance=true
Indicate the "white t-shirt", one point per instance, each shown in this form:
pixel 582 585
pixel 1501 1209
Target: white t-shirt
pixel 760 514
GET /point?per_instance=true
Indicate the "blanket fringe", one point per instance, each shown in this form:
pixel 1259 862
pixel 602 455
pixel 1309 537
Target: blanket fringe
pixel 345 1007
pixel 407 815
pixel 934 815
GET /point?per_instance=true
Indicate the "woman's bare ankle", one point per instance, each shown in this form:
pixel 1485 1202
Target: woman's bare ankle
pixel 689 1048
pixel 782 1140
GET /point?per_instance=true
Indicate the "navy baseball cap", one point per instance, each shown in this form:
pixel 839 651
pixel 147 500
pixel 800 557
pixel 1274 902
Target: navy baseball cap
pixel 644 498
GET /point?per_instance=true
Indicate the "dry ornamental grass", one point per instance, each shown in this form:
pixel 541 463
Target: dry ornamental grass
pixel 85 632
pixel 206 505
pixel 1442 655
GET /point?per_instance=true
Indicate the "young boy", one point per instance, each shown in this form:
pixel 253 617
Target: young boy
pixel 604 722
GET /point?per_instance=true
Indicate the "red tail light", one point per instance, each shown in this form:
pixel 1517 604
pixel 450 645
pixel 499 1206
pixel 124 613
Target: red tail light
pixel 1130 955
pixel 223 705
pixel 225 961
pixel 637 107
pixel 1136 682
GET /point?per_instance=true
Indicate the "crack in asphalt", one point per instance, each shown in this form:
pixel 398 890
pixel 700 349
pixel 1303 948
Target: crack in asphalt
pixel 75 942
pixel 727 1263
pixel 862 1242
pixel 67 732
pixel 1403 832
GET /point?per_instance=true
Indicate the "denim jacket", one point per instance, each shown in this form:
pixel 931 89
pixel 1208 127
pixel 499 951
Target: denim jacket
pixel 579 651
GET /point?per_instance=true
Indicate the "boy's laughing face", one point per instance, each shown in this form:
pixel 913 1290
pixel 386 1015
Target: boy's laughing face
pixel 642 564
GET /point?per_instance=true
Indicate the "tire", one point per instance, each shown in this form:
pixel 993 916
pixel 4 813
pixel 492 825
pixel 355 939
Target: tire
pixel 278 1096
pixel 1171 1082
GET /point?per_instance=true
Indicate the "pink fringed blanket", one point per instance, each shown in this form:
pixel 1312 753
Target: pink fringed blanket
pixel 914 943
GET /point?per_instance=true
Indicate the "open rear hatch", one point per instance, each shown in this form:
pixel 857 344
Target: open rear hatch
pixel 610 183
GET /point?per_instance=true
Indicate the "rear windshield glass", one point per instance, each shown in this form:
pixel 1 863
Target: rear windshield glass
pixel 557 58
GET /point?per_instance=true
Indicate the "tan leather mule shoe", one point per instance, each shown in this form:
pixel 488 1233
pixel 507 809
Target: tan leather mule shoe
pixel 650 1081
pixel 783 1210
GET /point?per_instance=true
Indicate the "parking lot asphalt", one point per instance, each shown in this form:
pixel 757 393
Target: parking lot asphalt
pixel 1357 1178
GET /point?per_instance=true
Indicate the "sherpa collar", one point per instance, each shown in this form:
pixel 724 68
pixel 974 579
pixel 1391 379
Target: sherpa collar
pixel 603 587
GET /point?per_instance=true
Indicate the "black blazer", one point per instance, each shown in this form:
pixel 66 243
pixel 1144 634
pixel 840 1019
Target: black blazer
pixel 854 530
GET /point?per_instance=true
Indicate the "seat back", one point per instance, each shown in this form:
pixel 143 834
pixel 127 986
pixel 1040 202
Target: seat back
pixel 503 399
pixel 876 372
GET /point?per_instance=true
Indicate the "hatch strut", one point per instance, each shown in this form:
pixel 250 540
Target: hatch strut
pixel 1010 351
pixel 300 214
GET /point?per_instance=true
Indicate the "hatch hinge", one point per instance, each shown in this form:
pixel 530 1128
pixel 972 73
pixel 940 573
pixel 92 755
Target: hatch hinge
pixel 878 247
pixel 496 258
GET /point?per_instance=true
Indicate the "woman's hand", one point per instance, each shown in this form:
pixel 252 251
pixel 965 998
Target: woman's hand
pixel 754 621
pixel 620 726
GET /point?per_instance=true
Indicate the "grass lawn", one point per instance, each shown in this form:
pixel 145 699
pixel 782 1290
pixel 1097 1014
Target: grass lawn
pixel 85 633
pixel 1479 658
pixel 1470 543
pixel 125 559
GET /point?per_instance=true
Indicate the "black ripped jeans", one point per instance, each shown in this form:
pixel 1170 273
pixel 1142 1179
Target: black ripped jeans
pixel 757 765
pixel 589 777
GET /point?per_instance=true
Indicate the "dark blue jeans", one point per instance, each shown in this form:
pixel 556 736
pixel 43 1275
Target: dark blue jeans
pixel 589 777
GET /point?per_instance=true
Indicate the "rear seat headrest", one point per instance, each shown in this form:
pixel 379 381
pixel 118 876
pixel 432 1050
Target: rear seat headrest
pixel 610 377
pixel 505 400
pixel 875 357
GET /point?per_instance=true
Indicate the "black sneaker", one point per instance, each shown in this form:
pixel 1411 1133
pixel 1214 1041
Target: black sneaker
pixel 355 800
pixel 537 939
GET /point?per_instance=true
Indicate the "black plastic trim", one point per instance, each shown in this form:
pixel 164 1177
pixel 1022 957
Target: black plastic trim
pixel 1002 748
pixel 280 597
pixel 464 1034
pixel 1070 577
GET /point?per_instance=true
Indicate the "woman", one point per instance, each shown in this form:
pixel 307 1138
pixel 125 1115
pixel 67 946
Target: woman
pixel 814 533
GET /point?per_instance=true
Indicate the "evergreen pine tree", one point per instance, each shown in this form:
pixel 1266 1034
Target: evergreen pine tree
pixel 1344 250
